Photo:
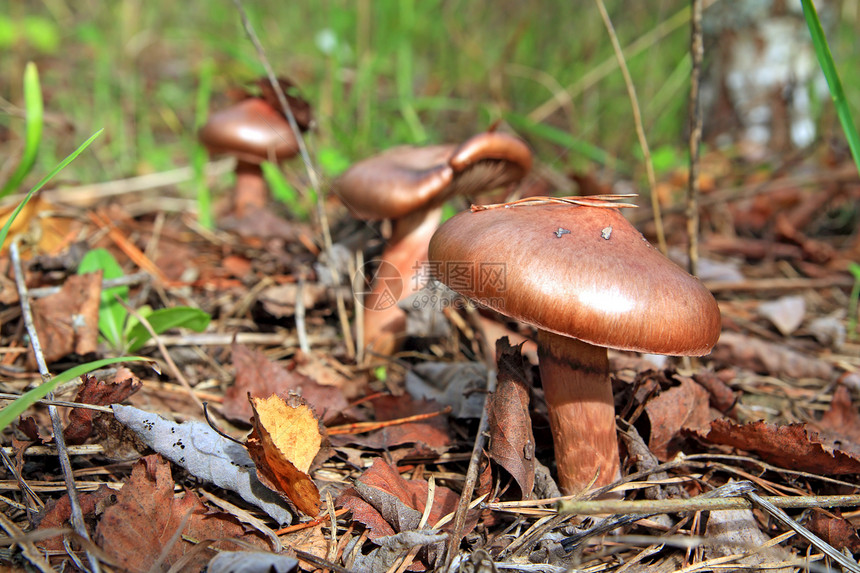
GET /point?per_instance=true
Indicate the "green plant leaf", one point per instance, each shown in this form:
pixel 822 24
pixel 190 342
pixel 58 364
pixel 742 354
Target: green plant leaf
pixel 35 108
pixel 165 319
pixel 13 410
pixel 112 315
pixel 69 158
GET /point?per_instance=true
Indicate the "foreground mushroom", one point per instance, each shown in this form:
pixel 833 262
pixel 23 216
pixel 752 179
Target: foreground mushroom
pixel 253 131
pixel 409 185
pixel 580 273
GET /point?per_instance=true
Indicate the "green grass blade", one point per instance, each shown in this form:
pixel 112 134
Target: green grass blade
pixel 13 410
pixel 60 166
pixel 198 158
pixel 828 66
pixel 35 109
pixel 559 137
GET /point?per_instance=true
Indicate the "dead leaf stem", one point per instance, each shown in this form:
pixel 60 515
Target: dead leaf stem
pixel 362 427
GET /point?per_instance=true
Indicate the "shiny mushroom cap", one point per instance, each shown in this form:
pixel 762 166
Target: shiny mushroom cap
pixel 251 130
pixel 578 271
pixel 408 178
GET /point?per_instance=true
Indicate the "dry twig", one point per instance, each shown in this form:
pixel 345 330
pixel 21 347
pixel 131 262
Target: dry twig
pixel 76 514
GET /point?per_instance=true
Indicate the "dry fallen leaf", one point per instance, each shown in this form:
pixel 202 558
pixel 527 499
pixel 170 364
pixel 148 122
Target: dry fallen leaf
pixel 837 531
pixel 786 313
pixel 57 513
pixel 512 443
pixel 681 407
pixel 67 321
pixel 768 358
pixel 842 419
pixel 387 503
pixel 428 436
pixel 284 442
pixel 795 446
pixel 732 531
pixel 97 393
pixel 141 528
pixel 52 233
pixel 260 377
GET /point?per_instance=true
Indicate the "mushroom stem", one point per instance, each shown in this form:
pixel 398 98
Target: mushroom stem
pixel 575 379
pixel 251 190
pixel 403 259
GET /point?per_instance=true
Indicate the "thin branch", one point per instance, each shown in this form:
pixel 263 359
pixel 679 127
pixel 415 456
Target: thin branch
pixel 76 514
pixel 695 115
pixel 640 130
pixel 656 506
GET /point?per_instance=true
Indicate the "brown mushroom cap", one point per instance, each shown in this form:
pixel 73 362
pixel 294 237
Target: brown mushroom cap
pixel 578 271
pixel 407 178
pixel 251 131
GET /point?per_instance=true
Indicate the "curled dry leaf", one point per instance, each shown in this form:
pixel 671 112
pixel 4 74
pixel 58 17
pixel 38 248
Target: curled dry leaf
pixel 512 443
pixel 139 530
pixel 284 442
pixel 794 446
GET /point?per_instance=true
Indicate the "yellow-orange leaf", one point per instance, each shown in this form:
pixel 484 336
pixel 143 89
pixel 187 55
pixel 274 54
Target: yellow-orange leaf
pixel 285 440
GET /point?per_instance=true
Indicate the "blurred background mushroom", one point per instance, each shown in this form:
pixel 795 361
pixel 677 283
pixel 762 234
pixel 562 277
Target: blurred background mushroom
pixel 408 185
pixel 254 130
pixel 587 280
